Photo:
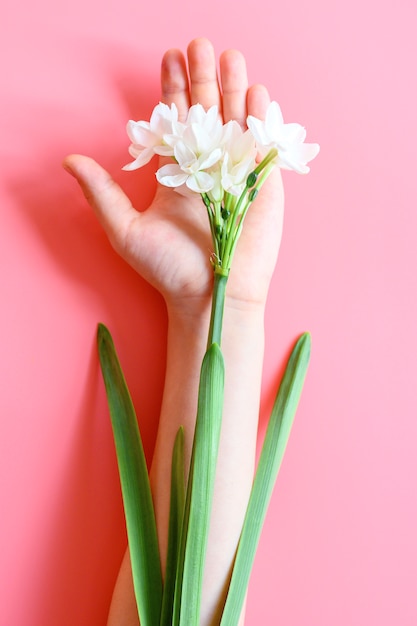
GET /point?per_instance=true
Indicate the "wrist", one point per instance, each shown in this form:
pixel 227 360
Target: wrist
pixel 193 314
pixel 189 322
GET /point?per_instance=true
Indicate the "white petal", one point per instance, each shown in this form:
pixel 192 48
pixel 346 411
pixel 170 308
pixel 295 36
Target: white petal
pixel 184 154
pixel 246 145
pixel 178 129
pixel 164 150
pixel 189 139
pixel 230 133
pixel 258 130
pixel 288 161
pixel 310 151
pixel 140 133
pixel 297 157
pixel 290 134
pixel 200 182
pixel 216 192
pixel 163 117
pixel 208 160
pixel 242 170
pixel 236 190
pixel 158 113
pixel 171 175
pixel 199 137
pixel 142 158
pixel 195 115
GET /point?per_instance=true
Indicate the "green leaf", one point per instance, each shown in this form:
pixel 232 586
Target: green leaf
pixel 273 449
pixel 200 489
pixel 176 514
pixel 137 499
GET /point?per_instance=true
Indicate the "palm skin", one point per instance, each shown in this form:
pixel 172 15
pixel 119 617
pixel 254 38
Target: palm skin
pixel 169 244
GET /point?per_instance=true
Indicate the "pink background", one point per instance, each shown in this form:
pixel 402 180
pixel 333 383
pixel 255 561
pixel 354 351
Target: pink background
pixel 339 546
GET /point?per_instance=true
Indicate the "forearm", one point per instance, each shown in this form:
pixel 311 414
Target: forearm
pixel 242 346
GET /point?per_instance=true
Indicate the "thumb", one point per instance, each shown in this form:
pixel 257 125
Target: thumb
pixel 110 204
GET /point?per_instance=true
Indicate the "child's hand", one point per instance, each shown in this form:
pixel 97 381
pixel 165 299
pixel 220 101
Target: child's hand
pixel 169 244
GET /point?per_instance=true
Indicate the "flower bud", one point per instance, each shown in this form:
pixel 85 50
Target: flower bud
pixel 252 194
pixel 206 200
pixel 251 179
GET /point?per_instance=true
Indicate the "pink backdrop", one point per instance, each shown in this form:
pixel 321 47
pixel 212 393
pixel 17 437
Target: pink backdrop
pixel 339 546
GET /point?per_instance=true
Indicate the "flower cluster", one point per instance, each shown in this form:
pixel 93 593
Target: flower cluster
pixel 222 163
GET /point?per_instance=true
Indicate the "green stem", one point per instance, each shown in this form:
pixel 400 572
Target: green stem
pixel 272 154
pixel 261 180
pixel 217 306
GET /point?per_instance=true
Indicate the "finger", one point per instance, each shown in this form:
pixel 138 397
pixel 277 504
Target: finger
pixel 257 101
pixel 174 81
pixel 234 81
pixel 110 204
pixel 203 75
pixel 272 195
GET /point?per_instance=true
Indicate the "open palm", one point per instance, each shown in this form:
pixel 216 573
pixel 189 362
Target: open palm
pixel 169 244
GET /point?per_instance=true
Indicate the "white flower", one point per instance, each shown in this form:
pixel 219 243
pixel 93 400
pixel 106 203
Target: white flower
pixel 216 193
pixel 148 137
pixel 197 116
pixel 288 139
pixel 196 148
pixel 207 120
pixel 239 158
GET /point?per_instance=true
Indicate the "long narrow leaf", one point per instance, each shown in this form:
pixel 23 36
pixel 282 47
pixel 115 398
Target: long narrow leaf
pixel 179 575
pixel 273 449
pixel 201 484
pixel 176 514
pixel 137 499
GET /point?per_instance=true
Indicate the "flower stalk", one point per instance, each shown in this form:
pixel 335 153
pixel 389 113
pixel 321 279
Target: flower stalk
pixel 226 224
pixel 226 167
pixel 217 307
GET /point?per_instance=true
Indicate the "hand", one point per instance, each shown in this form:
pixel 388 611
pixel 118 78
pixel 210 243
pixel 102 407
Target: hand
pixel 169 244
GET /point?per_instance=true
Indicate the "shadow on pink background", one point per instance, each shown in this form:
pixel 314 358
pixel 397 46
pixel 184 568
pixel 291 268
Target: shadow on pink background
pixel 339 545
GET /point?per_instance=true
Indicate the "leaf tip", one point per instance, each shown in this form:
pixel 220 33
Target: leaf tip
pixel 305 340
pixel 103 333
